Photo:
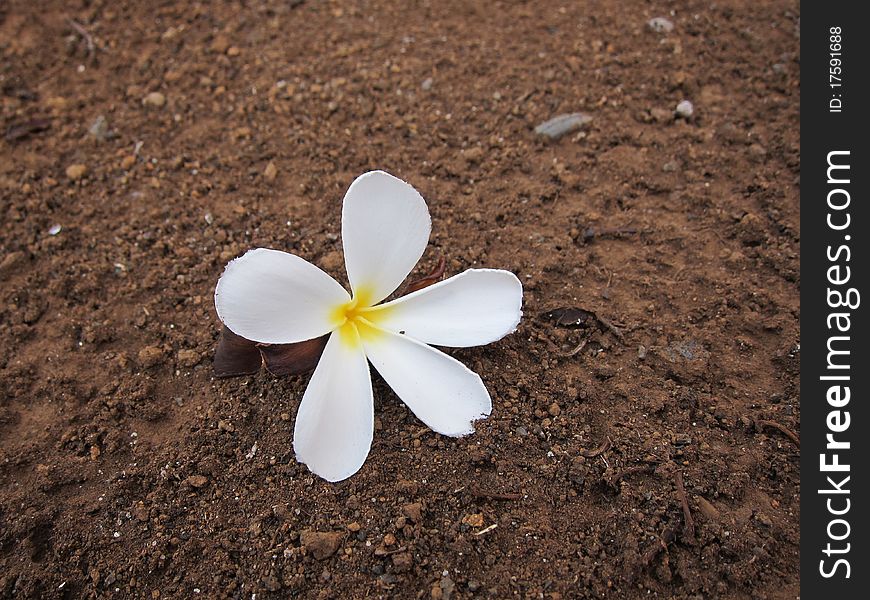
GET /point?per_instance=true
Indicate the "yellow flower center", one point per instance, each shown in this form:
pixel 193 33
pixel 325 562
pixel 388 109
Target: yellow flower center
pixel 356 320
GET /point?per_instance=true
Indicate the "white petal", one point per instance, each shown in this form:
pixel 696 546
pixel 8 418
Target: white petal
pixel 443 393
pixel 277 298
pixel 473 308
pixel 384 228
pixel 335 422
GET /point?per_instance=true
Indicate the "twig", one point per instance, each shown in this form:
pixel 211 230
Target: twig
pixel 613 328
pixel 668 536
pixel 385 552
pixel 577 350
pixel 614 481
pixel 479 493
pixel 590 233
pixel 89 40
pixel 487 530
pixel 781 428
pixel 604 447
pixel 689 528
pixel 712 230
pixel 275 549
pixel 433 277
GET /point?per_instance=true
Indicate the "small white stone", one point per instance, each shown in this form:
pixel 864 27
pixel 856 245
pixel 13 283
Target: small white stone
pixel 685 109
pixel 660 25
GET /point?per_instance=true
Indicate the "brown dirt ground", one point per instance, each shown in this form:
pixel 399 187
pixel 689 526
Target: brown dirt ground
pixel 126 468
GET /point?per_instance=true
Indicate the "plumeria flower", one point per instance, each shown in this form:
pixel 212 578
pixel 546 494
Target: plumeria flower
pixel 273 297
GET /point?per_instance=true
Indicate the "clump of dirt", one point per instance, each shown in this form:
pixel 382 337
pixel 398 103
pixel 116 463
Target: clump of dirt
pixel 641 449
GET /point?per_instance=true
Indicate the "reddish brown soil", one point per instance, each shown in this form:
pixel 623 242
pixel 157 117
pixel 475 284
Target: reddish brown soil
pixel 127 469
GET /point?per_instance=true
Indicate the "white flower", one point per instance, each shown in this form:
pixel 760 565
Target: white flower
pixel 274 297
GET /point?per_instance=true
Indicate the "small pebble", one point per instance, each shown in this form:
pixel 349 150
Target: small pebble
pixel 402 562
pixel 660 25
pixel 99 129
pixel 413 511
pixel 562 125
pixel 685 109
pixel 707 509
pixel 764 519
pixel 76 172
pixel 54 229
pixel 197 481
pixel 188 358
pixel 10 261
pixel 427 84
pixel 473 520
pixel 150 356
pixel 321 544
pixel 155 99
pixel 270 172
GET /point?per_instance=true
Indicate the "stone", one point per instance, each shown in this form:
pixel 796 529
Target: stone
pixel 764 519
pixel 473 520
pixel 99 129
pixel 220 44
pixel 197 481
pixel 402 562
pixel 447 586
pixel 154 99
pixel 561 125
pixel 707 509
pixel 76 172
pixel 10 261
pixel 685 109
pixel 188 358
pixel 150 356
pixel 332 262
pixel 140 511
pixel 271 582
pixel 660 25
pixel 321 544
pixel 413 511
pixel 270 172
pixel 555 410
